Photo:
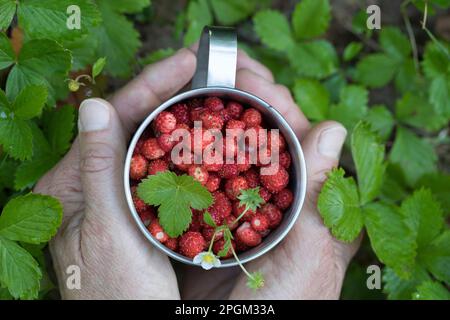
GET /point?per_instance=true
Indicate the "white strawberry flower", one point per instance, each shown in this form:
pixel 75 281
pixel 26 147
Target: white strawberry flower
pixel 207 260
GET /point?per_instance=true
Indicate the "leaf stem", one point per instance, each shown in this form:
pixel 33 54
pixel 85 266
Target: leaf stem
pixel 240 264
pixel 412 38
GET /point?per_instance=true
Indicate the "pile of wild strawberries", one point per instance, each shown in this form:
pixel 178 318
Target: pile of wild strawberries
pixel 225 181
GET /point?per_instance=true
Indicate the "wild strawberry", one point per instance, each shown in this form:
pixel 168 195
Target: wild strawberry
pixel 139 204
pixel 279 144
pixel 213 182
pixel 151 149
pixel 265 194
pixel 235 109
pixel 211 120
pixel 228 171
pixel 147 216
pixel 208 232
pixel 256 135
pixel 216 215
pixel 220 244
pixel 264 157
pixel 245 165
pixel 214 104
pixel 226 116
pixel 247 235
pixel 235 125
pixel 138 167
pixel 191 243
pixel 138 147
pixel 196 112
pixel 239 209
pixel 240 246
pixel 156 166
pixel 230 221
pixel 252 118
pixel 221 204
pixel 197 220
pixel 234 186
pixel 165 122
pixel 157 231
pixel 172 244
pixel 272 213
pixel 181 113
pixel 283 199
pixel 198 173
pixel 165 142
pixel 230 147
pixel 184 165
pixel 211 162
pixel 277 181
pixel 252 177
pixel 260 222
pixel 264 233
pixel 285 159
pixel 201 138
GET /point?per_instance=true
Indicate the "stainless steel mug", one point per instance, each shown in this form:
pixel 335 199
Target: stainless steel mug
pixel 215 76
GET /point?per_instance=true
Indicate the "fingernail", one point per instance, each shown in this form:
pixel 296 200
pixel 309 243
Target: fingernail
pixel 331 141
pixel 93 116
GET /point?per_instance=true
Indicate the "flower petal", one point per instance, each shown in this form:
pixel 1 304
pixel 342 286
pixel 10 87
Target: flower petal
pixel 199 257
pixel 206 265
pixel 217 263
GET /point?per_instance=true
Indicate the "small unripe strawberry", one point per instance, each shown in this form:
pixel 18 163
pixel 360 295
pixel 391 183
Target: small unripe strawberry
pixel 172 244
pixel 260 222
pixel 283 199
pixel 138 167
pixel 252 118
pixel 213 182
pixel 214 104
pixel 181 113
pixel 247 235
pixel 165 142
pixel 277 181
pixel 235 109
pixel 198 173
pixel 165 122
pixel 220 244
pixel 285 160
pixel 211 120
pixel 229 171
pixel 234 186
pixel 191 243
pixel 157 231
pixel 151 149
pixel 272 213
pixel 156 166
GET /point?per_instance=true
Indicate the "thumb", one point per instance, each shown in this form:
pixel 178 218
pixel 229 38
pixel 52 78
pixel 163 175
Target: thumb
pixel 102 154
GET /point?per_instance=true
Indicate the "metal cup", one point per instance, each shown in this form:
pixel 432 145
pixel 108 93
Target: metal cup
pixel 215 76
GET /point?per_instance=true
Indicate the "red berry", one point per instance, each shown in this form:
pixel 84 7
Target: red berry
pixel 277 181
pixel 138 167
pixel 234 186
pixel 165 142
pixel 181 113
pixel 256 138
pixel 198 173
pixel 211 120
pixel 138 147
pixel 238 209
pixel 151 149
pixel 260 222
pixel 156 166
pixel 272 213
pixel 165 122
pixel 197 221
pixel 213 182
pixel 157 231
pixel 191 243
pixel 229 171
pixel 139 204
pixel 252 118
pixel 279 145
pixel 230 221
pixel 221 205
pixel 285 159
pixel 234 109
pixel 214 104
pixel 208 233
pixel 172 244
pixel 245 165
pixel 283 199
pixel 219 245
pixel 235 125
pixel 247 235
pixel 230 147
pixel 240 246
pixel 226 116
pixel 211 162
pixel 265 194
pixel 252 177
pixel 147 216
pixel 196 113
pixel 202 138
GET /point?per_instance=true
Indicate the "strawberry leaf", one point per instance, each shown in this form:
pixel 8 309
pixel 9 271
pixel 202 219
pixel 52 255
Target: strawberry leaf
pixel 30 102
pixel 251 199
pixel 7 11
pixel 431 290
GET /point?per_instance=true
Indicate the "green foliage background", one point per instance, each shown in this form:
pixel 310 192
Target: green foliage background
pixel 394 180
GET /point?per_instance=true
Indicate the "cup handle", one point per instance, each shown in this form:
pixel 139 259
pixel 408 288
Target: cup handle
pixel 216 58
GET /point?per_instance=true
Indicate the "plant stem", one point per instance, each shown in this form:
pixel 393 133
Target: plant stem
pixel 412 38
pixel 425 14
pixel 240 264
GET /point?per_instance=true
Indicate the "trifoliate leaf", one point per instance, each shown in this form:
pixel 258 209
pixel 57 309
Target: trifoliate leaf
pixel 424 216
pixel 415 156
pixel 439 184
pixel 352 50
pixel 250 199
pixel 316 59
pixel 52 19
pixel 98 67
pixel 16 138
pixel 380 120
pixel 431 290
pixel 31 218
pixel 395 43
pixel 273 29
pixel 391 238
pixel 436 257
pixel 440 95
pixel 376 70
pixel 311 18
pixel 338 205
pixel 313 98
pixel 7 55
pixel 30 102
pixel 18 270
pixel 175 196
pixel 198 16
pixel 231 12
pixel 402 289
pixel 58 126
pixel 435 62
pixel 368 155
pixel 7 11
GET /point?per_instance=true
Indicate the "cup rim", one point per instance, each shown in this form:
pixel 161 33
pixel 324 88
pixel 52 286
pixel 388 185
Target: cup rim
pixel 299 198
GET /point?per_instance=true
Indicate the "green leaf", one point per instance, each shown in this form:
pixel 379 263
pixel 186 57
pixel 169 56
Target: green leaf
pixel 83 51
pixel 431 290
pixel 376 70
pixel 31 218
pixel 59 125
pixel 435 63
pixel 395 43
pixel 311 18
pixel 16 138
pixel 50 19
pixel 440 95
pixel 230 12
pixel 98 67
pixel 436 257
pixel 317 59
pixel 380 120
pixel 207 218
pixel 129 6
pixel 439 184
pixel 175 196
pixel 30 102
pixel 313 98
pixel 415 156
pixel 402 289
pixel 407 78
pixel 273 29
pixel 368 155
pixel 338 205
pixel 352 50
pixel 391 238
pixel 7 11
pixel 198 15
pixel 7 56
pixel 394 185
pixel 18 270
pixel 424 216
pixel 251 199
pixel 156 56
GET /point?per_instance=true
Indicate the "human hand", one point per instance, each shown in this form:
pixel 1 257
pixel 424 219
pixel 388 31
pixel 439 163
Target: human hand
pixel 97 233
